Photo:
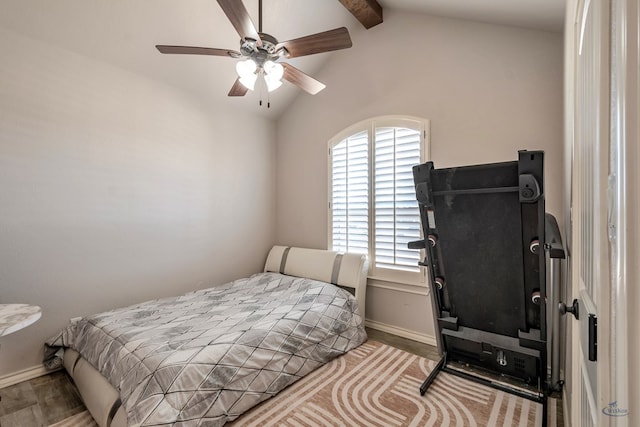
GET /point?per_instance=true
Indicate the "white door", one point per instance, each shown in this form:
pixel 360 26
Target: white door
pixel 590 206
pixel 604 199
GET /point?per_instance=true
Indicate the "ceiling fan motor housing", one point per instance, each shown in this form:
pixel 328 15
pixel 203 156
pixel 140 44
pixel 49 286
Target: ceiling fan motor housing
pixel 268 51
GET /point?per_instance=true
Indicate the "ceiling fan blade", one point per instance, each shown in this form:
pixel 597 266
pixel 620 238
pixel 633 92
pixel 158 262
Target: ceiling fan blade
pixel 240 19
pixel 302 80
pixel 191 50
pixel 238 89
pixel 317 43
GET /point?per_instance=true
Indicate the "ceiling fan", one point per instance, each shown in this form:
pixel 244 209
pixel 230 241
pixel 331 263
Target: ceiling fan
pixel 262 53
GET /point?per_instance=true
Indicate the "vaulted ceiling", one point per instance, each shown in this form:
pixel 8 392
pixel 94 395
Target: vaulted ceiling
pixel 124 32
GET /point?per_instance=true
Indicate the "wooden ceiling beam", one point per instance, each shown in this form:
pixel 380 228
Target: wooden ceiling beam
pixel 368 12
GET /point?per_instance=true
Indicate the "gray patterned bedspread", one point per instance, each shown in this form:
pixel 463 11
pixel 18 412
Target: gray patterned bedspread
pixel 206 357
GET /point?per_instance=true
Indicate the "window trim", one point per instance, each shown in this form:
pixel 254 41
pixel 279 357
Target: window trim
pixel 369 125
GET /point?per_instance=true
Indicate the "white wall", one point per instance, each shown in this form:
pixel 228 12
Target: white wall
pixel 488 91
pixel 116 189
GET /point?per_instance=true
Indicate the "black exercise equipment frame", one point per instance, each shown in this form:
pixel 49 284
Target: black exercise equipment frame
pixel 486 239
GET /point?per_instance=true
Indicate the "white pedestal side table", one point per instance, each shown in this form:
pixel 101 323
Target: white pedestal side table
pixel 14 317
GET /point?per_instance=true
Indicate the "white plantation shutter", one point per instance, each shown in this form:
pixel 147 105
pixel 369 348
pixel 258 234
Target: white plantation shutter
pixel 350 195
pixel 397 218
pixel 373 207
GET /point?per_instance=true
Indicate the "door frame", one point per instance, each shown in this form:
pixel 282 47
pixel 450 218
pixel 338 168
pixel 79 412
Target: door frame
pixel 623 200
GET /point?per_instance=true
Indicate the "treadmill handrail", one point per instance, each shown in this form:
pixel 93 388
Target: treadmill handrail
pixel 553 239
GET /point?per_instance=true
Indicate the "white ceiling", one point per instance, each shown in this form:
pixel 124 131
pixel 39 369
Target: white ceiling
pixel 123 33
pixel 545 15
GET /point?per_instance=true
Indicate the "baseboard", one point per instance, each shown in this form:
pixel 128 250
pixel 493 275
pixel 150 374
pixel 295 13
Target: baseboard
pixel 24 375
pixel 402 332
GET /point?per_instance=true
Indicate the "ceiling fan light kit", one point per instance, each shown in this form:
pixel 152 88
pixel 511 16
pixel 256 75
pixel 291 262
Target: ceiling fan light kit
pixel 260 53
pixel 247 73
pixel 273 73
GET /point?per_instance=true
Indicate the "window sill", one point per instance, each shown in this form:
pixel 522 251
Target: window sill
pixel 387 280
pixel 421 289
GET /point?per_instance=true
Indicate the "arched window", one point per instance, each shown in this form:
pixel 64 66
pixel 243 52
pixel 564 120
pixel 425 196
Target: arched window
pixel 372 203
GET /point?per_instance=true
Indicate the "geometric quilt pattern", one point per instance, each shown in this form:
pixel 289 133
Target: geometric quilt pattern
pixel 204 358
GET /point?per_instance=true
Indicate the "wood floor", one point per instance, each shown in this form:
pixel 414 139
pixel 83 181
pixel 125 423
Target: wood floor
pixel 39 402
pixel 46 400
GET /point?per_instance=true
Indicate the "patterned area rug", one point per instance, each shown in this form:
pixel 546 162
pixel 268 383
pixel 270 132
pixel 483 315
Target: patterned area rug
pixel 377 385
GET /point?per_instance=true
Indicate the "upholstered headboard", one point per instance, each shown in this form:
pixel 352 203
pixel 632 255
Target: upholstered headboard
pixel 348 271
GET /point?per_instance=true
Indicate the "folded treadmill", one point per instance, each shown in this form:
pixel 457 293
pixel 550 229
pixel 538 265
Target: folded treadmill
pixel 487 242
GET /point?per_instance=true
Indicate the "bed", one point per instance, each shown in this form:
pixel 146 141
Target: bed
pixel 206 357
